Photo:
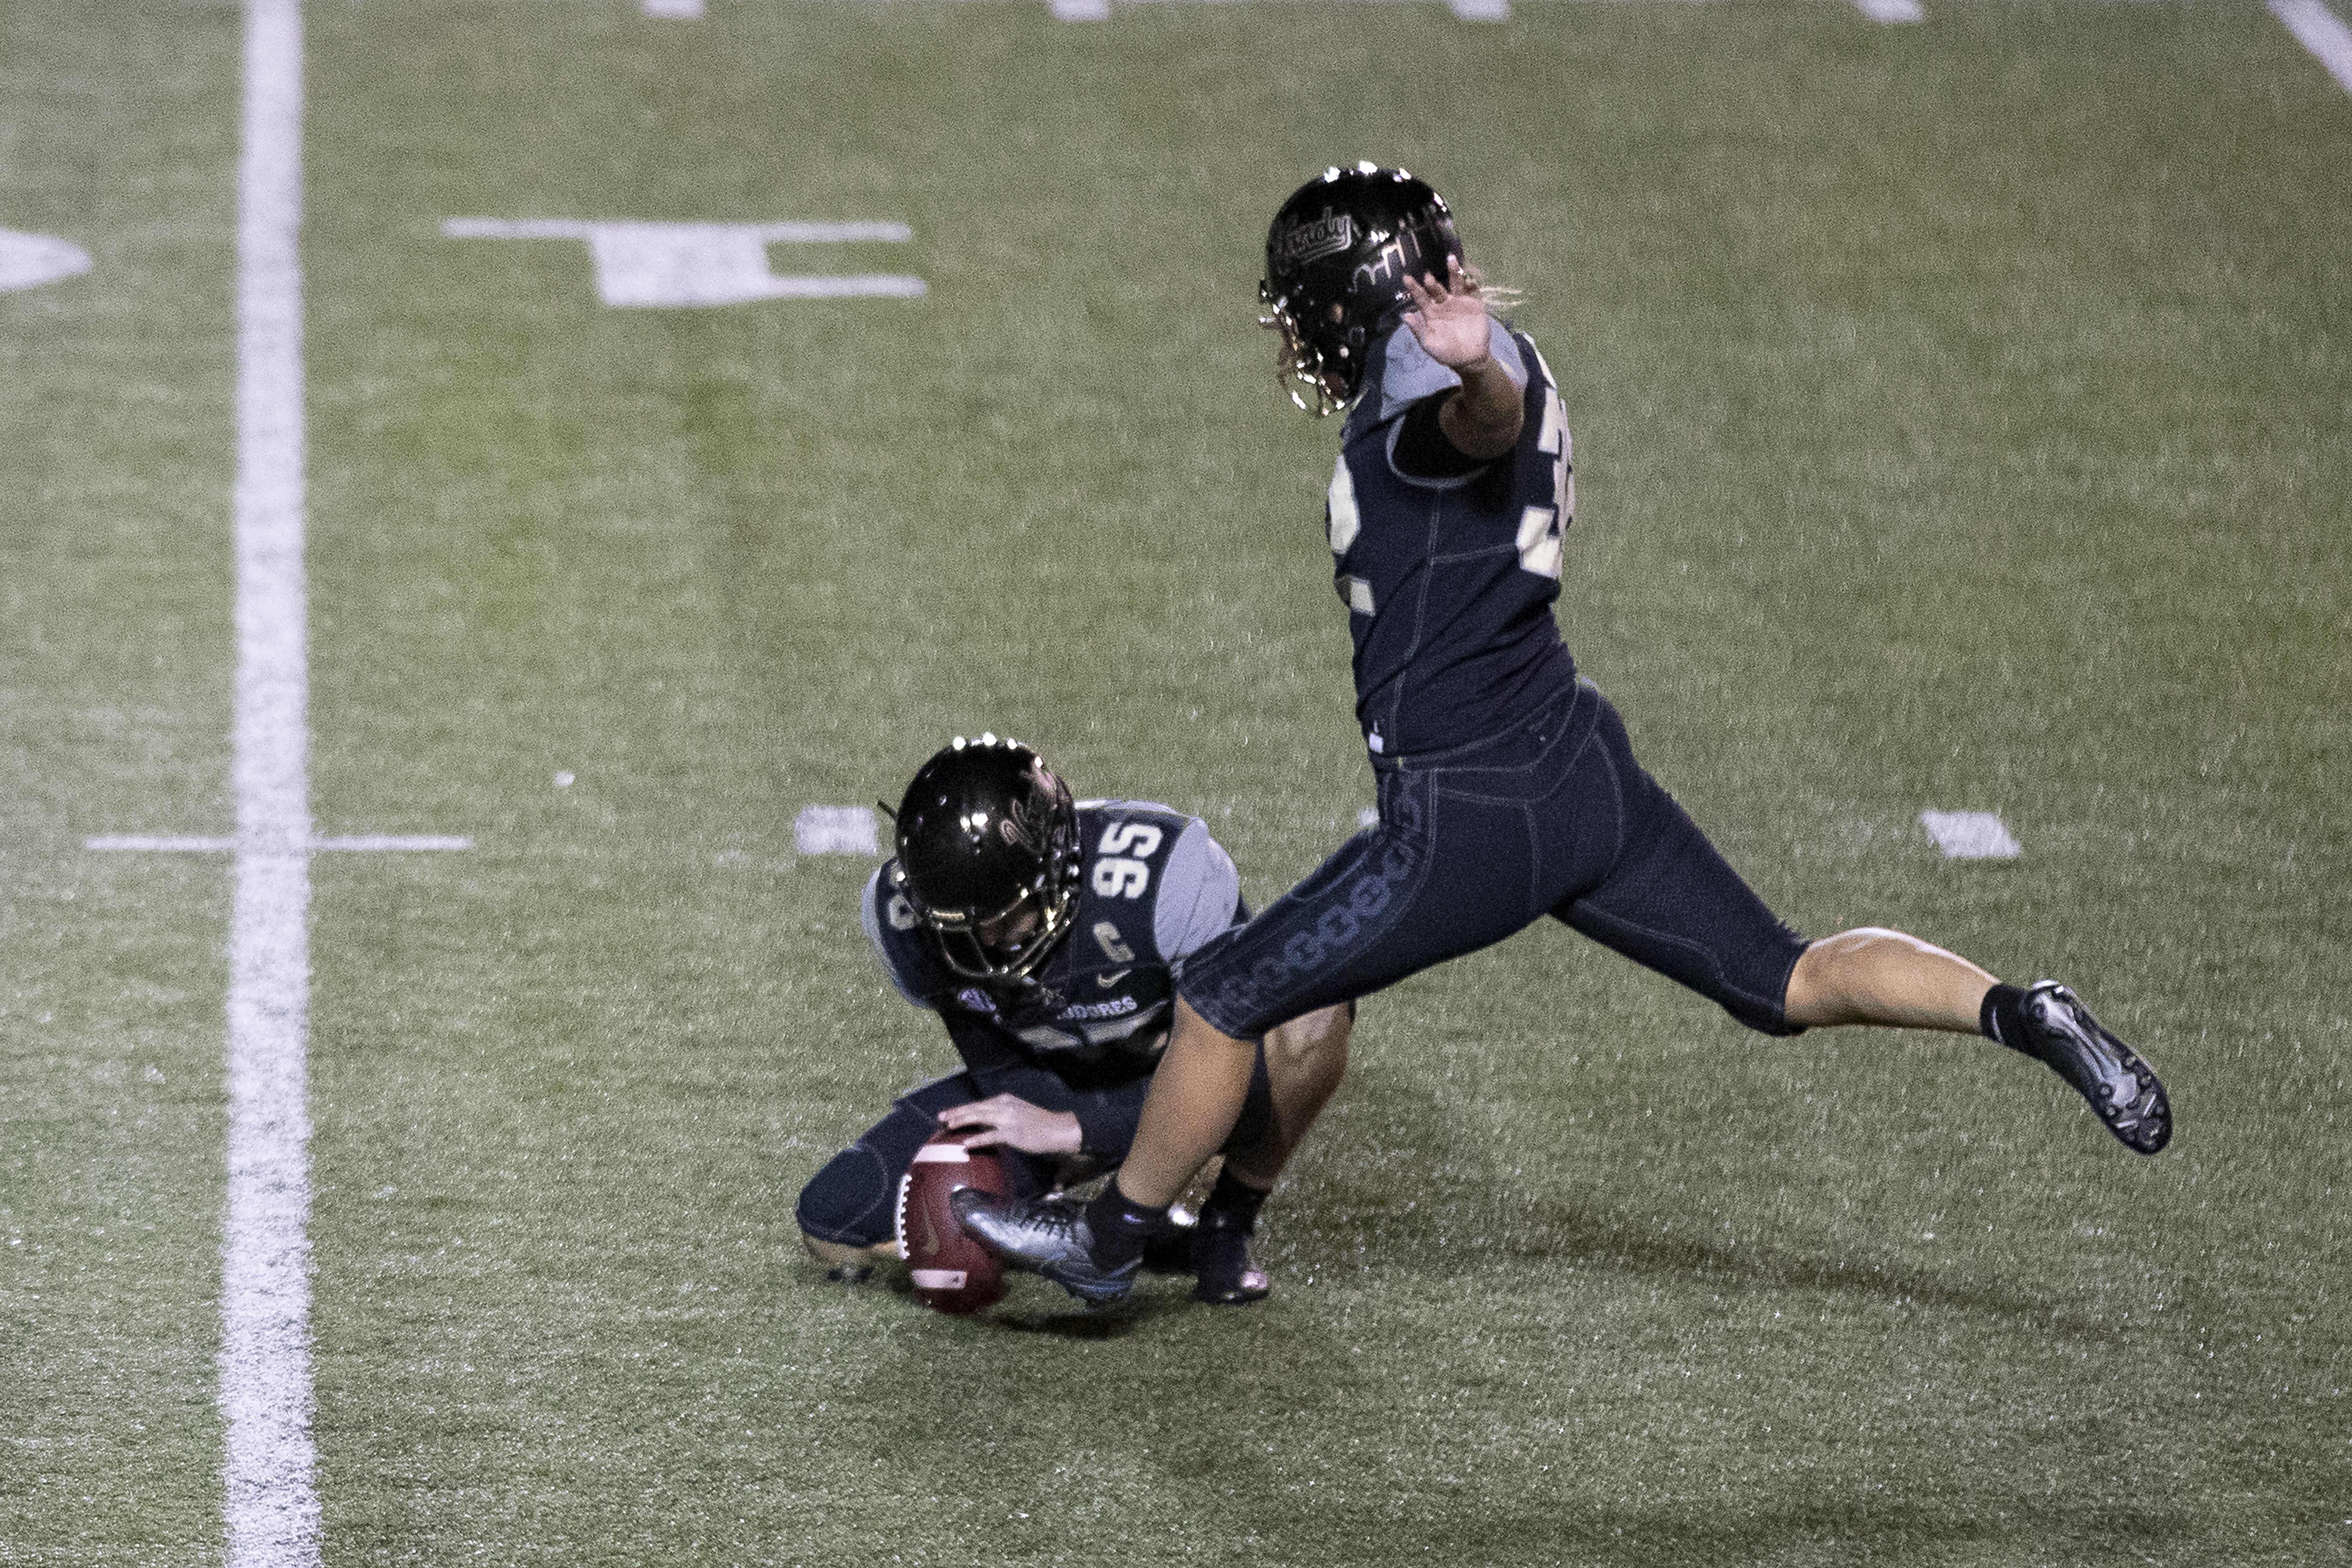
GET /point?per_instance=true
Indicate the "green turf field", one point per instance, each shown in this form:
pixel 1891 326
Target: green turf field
pixel 1964 421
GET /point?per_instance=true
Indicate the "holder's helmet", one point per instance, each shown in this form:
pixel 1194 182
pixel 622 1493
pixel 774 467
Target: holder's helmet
pixel 986 832
pixel 1335 260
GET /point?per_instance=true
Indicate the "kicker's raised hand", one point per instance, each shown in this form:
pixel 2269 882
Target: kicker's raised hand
pixel 1449 317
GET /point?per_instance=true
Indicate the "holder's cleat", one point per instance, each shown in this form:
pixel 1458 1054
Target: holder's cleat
pixel 1225 1274
pixel 1168 1249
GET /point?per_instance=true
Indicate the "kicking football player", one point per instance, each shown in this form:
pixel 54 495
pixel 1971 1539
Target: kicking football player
pixel 1047 934
pixel 1508 789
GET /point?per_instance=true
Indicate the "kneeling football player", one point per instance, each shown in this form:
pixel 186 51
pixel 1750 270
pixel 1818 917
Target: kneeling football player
pixel 1045 932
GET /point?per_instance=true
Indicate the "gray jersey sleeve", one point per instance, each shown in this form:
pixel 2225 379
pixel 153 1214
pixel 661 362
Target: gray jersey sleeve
pixel 1412 375
pixel 1199 891
pixel 871 912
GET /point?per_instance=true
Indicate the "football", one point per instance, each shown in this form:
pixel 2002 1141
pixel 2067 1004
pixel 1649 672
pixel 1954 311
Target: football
pixel 952 1272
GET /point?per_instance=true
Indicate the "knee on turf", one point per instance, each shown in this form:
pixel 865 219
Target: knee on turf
pixel 850 1265
pixel 848 1205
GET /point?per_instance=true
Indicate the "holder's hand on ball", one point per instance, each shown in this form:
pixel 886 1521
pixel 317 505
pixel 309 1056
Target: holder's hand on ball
pixel 1010 1121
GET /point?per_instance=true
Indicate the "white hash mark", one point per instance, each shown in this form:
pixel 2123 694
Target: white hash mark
pixel 30 261
pixel 836 830
pixel 1970 834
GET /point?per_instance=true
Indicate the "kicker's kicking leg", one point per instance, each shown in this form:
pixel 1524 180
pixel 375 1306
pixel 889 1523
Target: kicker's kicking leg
pixel 1197 1095
pixel 1878 976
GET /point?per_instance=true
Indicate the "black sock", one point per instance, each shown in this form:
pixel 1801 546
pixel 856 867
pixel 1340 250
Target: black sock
pixel 1120 1225
pixel 2003 1018
pixel 1233 1201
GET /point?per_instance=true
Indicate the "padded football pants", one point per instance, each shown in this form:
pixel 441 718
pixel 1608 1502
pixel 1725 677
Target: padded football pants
pixel 1554 817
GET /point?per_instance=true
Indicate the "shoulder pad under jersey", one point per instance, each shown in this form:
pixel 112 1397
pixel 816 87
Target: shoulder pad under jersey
pixel 902 943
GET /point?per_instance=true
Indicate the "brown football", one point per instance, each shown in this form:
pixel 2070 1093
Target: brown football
pixel 952 1272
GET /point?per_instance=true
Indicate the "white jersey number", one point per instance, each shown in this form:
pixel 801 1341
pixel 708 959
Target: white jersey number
pixel 1541 527
pixel 1121 872
pixel 1140 839
pixel 1341 516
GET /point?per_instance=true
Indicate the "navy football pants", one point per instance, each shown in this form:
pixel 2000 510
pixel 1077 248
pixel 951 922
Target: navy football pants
pixel 1555 817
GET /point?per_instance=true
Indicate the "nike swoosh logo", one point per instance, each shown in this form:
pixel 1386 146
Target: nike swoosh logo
pixel 1108 981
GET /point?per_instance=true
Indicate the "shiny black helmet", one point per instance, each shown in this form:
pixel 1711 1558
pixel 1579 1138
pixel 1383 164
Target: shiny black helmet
pixel 985 832
pixel 1335 260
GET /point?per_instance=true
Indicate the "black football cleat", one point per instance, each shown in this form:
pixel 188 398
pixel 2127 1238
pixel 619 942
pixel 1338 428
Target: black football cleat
pixel 1049 1238
pixel 1225 1274
pixel 2121 1087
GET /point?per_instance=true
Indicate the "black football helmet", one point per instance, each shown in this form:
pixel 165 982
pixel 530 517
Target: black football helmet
pixel 1336 261
pixel 985 831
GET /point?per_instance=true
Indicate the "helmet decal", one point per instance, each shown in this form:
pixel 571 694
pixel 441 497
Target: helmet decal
pixel 1302 240
pixel 1337 257
pixel 1022 823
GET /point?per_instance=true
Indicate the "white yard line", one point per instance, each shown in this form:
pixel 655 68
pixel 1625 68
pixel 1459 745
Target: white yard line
pixel 1891 11
pixel 2321 31
pixel 674 10
pixel 270 1468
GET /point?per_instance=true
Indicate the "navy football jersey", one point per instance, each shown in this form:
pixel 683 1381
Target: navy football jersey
pixel 1450 582
pixel 1154 889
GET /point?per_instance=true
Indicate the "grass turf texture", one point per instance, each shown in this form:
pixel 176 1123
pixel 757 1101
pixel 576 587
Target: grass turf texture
pixel 117 129
pixel 1961 417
